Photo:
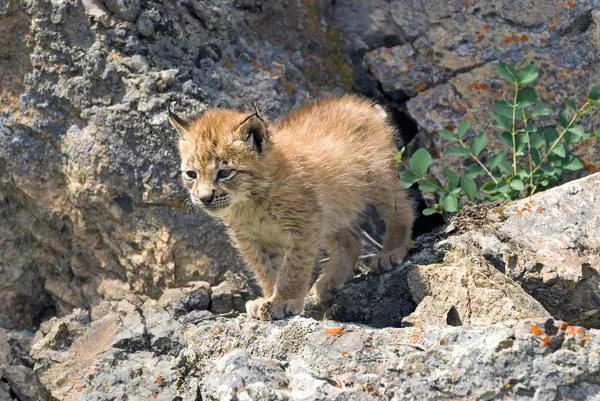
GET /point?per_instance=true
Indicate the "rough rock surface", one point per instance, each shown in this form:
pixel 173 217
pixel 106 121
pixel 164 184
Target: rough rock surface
pixel 475 332
pixel 89 188
pixel 304 359
pixel 447 65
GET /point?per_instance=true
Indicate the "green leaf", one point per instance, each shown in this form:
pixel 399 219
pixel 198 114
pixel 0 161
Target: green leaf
pixel 577 130
pixel 526 97
pixel 478 144
pixel 505 167
pixel 446 134
pixel 473 171
pixel 431 185
pixel 420 161
pixel 503 122
pixel 507 72
pixel 594 93
pixel 563 118
pixel 548 169
pixel 530 127
pixel 460 152
pixel 462 128
pixel 536 156
pixel 452 178
pixel 570 104
pixel 541 110
pixel 559 150
pixel 497 158
pixel 408 178
pixel 429 211
pixel 520 143
pixel 549 133
pixel 536 141
pixel 573 165
pixel 489 187
pixel 517 184
pixel 507 138
pixel 449 203
pixel 503 187
pixel 528 74
pixel 469 187
pixel 505 109
pixel 597 134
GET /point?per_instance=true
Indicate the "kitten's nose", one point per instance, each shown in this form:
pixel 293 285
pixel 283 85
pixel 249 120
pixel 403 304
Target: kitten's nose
pixel 206 200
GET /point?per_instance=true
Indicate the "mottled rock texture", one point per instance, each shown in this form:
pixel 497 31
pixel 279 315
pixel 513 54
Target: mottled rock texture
pixel 446 67
pixel 90 199
pixel 493 292
pixel 304 359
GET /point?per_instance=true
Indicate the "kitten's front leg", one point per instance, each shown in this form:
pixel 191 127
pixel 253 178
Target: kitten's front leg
pixel 293 280
pixel 261 263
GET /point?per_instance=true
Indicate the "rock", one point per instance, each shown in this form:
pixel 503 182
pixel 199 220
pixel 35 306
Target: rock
pixel 180 301
pixel 17 380
pixel 470 291
pixel 448 66
pixel 164 332
pixel 304 359
pixel 91 199
pixel 127 10
pixel 121 353
pixel 232 294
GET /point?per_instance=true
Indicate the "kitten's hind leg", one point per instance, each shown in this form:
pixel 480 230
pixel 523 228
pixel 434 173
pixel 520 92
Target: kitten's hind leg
pixel 343 249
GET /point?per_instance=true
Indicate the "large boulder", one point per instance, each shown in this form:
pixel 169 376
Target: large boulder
pixel 90 199
pixel 447 68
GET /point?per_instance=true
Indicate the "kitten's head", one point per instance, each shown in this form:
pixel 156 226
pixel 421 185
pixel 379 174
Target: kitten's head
pixel 222 157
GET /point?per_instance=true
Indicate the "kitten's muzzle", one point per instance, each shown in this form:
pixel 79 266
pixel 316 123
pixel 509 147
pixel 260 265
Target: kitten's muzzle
pixel 207 200
pixel 214 201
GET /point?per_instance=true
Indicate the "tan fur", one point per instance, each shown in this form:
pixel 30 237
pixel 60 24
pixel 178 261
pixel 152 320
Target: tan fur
pixel 317 169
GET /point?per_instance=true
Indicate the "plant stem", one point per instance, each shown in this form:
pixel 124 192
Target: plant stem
pixel 529 151
pixel 513 133
pixel 557 141
pixel 460 141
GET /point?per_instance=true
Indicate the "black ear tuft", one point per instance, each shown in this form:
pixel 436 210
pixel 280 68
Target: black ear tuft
pixel 254 133
pixel 180 124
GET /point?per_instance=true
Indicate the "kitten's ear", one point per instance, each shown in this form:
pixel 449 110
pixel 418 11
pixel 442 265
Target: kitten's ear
pixel 254 133
pixel 180 124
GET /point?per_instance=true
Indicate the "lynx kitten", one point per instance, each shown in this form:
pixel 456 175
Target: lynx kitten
pixel 287 187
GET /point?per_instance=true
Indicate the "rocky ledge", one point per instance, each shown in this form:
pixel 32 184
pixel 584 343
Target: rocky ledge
pixel 500 304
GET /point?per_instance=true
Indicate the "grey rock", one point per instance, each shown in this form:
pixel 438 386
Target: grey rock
pixel 165 333
pixel 16 374
pixel 127 10
pixel 448 67
pixel 88 164
pixel 304 359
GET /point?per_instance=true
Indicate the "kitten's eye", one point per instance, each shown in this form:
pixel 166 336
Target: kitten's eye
pixel 191 174
pixel 224 174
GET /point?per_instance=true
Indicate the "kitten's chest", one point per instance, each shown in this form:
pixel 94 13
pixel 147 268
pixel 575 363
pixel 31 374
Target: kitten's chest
pixel 259 228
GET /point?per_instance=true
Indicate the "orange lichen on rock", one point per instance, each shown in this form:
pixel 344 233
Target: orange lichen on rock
pixel 159 380
pixel 443 341
pixel 414 336
pixel 334 331
pixel 545 340
pixel 524 38
pixel 421 88
pixel 536 331
pixel 509 39
pixel 344 352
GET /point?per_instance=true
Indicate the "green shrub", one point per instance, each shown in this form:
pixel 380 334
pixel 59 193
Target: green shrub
pixel 536 156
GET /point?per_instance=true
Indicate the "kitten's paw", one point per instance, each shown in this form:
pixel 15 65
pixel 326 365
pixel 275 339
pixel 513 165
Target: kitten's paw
pixel 323 292
pixel 273 309
pixel 388 260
